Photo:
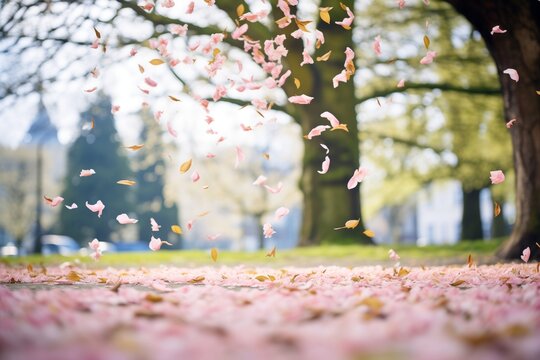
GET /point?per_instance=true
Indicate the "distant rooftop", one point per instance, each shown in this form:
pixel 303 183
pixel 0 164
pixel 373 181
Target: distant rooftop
pixel 42 129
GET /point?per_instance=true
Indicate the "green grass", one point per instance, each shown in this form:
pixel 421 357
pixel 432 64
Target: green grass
pixel 349 255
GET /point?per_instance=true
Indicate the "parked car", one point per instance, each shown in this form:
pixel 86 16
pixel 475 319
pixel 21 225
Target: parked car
pixel 59 244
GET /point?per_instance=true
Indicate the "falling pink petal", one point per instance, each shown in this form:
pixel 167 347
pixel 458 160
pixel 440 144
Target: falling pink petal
pixel 55 201
pixel 377 45
pixel 195 176
pixel 393 255
pixel 150 82
pixel 94 244
pixel 96 255
pixel 325 148
pixel 428 59
pixel 97 207
pixel 168 3
pixel 190 224
pixel 358 176
pixel 190 8
pixel 213 237
pixel 268 231
pixel 71 207
pixel 275 190
pixel 401 3
pixel 307 59
pixel 347 22
pixel 526 254
pixel 260 180
pixel 239 31
pixel 95 44
pixel 155 244
pixel 497 30
pixel 510 123
pixel 401 83
pixel 95 72
pixel 91 89
pixel 281 212
pixel 496 176
pixel 155 226
pixel 88 172
pixel 512 73
pixel 325 166
pixel 317 130
pixel 125 219
pixel 115 109
pixel 210 155
pixel 300 99
pixel 239 157
pixel 330 117
pixel 133 52
pixel 171 130
pixel 341 77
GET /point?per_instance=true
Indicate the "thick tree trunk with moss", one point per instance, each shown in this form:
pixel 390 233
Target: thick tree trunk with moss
pixel 519 49
pixel 327 202
pixel 471 220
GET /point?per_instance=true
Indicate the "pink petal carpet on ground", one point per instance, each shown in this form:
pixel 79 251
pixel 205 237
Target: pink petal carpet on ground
pixel 485 312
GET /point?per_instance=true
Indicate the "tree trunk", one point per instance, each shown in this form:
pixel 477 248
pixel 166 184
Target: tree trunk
pixel 327 202
pixel 471 221
pixel 518 49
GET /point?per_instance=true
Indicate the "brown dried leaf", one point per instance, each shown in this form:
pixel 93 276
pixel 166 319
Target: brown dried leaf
pixel 426 41
pixel 272 253
pixel 176 229
pixel 154 298
pixel 214 254
pixel 458 282
pixel 196 280
pixel 126 182
pixel 403 272
pixel 174 98
pixel 324 57
pixel 302 24
pixel 497 209
pixel 470 260
pixel 135 147
pixel 185 166
pixel 74 276
pixel 156 62
pixel 240 9
pixel 324 13
pixel 343 6
pixel 98 34
pixel 261 278
pixel 141 69
pixel 369 233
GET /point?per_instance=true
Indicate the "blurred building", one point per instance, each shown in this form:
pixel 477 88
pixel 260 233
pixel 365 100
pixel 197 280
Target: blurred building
pixel 432 216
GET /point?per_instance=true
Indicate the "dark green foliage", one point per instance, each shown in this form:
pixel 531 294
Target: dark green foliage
pixel 99 149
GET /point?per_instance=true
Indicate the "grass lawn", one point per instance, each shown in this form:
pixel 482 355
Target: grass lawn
pixel 344 255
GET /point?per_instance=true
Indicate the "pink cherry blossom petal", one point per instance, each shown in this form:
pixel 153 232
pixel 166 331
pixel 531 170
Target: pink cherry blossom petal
pixel 497 30
pixel 317 131
pixel 260 180
pixel 526 254
pixel 512 73
pixel 358 176
pixel 281 212
pixel 510 123
pixel 88 172
pixel 125 219
pixel 56 201
pixel 268 231
pixel 325 166
pixel 496 176
pixel 274 190
pixel 401 83
pixel 239 157
pixel 155 226
pixel 71 207
pixel 377 45
pixel 97 207
pixel 195 176
pixel 300 99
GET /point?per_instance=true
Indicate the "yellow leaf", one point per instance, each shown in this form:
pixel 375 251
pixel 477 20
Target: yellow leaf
pixel 176 229
pixel 214 254
pixel 173 98
pixel 343 6
pixel 284 21
pixel 302 24
pixel 271 277
pixel 324 57
pixel 98 34
pixel 196 280
pixel 141 69
pixel 324 13
pixel 126 182
pixel 204 213
pixel 340 127
pixel 497 209
pixel 30 268
pixel 272 253
pixel 156 62
pixel 457 282
pixel 261 278
pixel 266 156
pixel 372 302
pixel 185 166
pixel 297 83
pixel 470 261
pixel 135 147
pixel 403 272
pixel 153 298
pixel 240 10
pixel 73 276
pixel 369 233
pixel 537 92
pixel 349 224
pixel 426 41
